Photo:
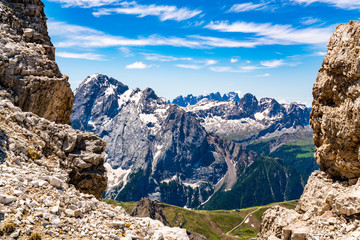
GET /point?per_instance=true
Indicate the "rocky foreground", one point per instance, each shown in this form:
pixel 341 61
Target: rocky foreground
pixel 36 197
pixel 329 207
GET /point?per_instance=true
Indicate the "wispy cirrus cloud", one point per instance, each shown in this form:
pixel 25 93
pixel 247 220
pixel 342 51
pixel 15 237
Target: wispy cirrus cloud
pixel 344 4
pixel 163 12
pixel 245 7
pixel 273 63
pixel 309 20
pixel 249 68
pixel 87 56
pixel 85 3
pixel 189 66
pixel 137 65
pixel 69 35
pixel 279 34
pixel 198 64
pixel 164 58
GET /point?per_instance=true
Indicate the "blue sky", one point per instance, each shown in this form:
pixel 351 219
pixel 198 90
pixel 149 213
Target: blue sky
pixel 177 47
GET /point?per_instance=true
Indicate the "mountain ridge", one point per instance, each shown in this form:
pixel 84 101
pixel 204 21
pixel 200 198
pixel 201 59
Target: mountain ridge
pixel 167 154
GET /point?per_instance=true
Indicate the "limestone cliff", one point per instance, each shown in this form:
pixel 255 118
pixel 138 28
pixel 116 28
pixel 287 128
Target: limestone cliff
pixel 329 207
pixel 27 62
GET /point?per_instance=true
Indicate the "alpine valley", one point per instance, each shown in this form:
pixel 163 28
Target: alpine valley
pixel 207 152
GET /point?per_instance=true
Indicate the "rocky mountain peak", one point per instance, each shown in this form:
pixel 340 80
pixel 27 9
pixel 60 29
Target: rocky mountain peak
pixel 27 63
pixel 99 96
pixel 329 206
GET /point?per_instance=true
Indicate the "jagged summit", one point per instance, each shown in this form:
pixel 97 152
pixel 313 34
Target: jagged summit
pixel 192 100
pixel 249 118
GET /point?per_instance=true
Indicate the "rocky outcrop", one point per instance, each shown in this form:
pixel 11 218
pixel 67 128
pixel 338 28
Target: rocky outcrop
pixel 31 79
pixel 36 198
pixel 328 208
pixel 149 208
pixel 335 117
pixel 80 154
pixel 27 62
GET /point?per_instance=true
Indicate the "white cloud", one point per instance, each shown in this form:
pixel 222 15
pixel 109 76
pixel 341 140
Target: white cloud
pixel 137 65
pixel 276 34
pixel 272 63
pixel 163 58
pixel 68 35
pixel 210 62
pixel 223 69
pixel 164 12
pixel 320 53
pixel 87 56
pixel 85 3
pixel 309 20
pixel 126 51
pixel 189 66
pixel 245 7
pixel 264 75
pixel 345 4
pixel 234 60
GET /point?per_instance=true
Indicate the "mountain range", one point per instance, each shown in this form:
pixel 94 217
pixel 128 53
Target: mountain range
pixel 188 156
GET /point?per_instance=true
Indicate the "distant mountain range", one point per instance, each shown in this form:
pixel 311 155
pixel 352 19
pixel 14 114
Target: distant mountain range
pixel 192 100
pixel 186 156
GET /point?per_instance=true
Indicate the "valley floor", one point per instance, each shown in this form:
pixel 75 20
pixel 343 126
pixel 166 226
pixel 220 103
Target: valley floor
pixel 214 225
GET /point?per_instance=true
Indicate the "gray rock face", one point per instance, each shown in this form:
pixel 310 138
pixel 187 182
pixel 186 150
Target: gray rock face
pixel 154 149
pixel 335 116
pixel 328 208
pixel 27 62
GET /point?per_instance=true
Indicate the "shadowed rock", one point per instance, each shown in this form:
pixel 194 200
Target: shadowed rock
pixel 149 208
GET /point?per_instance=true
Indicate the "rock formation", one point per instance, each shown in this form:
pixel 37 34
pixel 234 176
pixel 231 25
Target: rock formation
pixel 38 195
pixel 30 79
pixel 27 62
pixel 149 208
pixel 329 207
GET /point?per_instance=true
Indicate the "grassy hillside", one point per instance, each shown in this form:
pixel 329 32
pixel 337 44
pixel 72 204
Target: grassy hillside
pixel 265 181
pixel 214 225
pixel 279 173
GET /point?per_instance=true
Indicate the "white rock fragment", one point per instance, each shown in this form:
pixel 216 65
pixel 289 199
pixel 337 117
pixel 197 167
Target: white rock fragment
pixel 56 182
pixel 6 199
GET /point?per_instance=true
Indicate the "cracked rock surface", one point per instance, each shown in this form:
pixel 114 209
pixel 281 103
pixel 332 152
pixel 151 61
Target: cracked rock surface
pixel 42 164
pixel 329 207
pixel 27 62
